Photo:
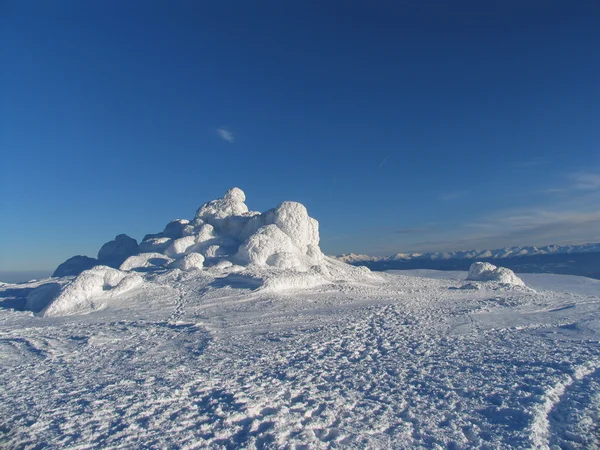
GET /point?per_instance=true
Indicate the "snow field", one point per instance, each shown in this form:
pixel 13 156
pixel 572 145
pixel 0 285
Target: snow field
pixel 189 361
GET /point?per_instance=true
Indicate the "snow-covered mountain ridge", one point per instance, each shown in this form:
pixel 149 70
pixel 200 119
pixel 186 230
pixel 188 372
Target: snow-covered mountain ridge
pixel 507 252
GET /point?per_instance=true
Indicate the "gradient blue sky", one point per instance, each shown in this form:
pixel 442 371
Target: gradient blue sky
pixel 402 126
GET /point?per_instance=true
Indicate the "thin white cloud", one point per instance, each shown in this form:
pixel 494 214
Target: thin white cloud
pixel 586 181
pixel 576 183
pixel 528 163
pixel 453 195
pixel 226 135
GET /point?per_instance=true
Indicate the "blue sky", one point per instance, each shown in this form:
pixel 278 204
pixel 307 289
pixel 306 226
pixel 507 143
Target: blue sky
pixel 402 126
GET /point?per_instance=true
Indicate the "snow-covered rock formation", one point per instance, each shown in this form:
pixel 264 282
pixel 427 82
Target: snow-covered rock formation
pixel 285 237
pixel 483 271
pixel 276 250
pixel 111 254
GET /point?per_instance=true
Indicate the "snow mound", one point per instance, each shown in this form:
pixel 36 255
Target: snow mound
pixel 86 291
pixel 483 271
pixel 145 261
pixel 283 238
pixel 189 262
pixel 277 250
pixel 232 204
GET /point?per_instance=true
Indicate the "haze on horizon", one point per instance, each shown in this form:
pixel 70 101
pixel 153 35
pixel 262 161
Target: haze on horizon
pixel 405 127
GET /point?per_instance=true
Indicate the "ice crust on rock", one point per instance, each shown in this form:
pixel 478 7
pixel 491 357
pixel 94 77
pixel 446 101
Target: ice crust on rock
pixel 483 271
pixel 277 249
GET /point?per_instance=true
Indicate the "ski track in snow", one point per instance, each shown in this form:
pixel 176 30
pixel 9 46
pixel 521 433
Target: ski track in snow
pixel 413 363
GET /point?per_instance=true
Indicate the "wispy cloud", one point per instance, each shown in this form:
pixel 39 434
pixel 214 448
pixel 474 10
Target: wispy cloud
pixel 586 181
pixel 452 195
pixel 534 228
pixel 383 161
pixel 566 214
pixel 531 163
pixel 414 230
pixel 226 135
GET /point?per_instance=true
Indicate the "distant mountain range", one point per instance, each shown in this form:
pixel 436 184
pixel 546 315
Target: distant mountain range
pixel 562 259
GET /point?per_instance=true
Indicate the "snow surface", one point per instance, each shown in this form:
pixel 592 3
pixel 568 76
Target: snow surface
pixel 210 359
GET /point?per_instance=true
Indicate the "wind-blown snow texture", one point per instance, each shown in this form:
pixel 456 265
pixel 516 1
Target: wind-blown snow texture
pixel 272 345
pixel 186 360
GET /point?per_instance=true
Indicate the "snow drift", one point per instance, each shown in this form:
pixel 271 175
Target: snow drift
pixel 275 250
pixel 483 271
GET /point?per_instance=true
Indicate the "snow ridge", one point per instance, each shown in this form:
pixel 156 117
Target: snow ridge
pixel 506 252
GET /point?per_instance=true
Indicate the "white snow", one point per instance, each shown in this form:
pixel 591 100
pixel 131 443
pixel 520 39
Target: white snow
pixel 189 262
pixel 181 246
pixel 277 250
pixel 232 204
pixel 201 360
pixel 153 245
pixel 85 292
pixel 145 261
pixel 483 271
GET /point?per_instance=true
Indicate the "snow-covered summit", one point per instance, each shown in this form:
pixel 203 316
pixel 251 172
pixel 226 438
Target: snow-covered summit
pixel 285 237
pixel 277 249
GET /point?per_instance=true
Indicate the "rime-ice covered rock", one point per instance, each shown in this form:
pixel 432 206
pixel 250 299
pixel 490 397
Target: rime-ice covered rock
pixel 181 246
pixel 232 204
pixel 189 262
pixel 292 218
pixel 225 238
pixel 177 228
pixel 265 243
pixel 152 245
pixel 215 251
pixel 113 253
pixel 480 270
pixel 74 266
pixel 86 291
pixel 483 271
pixel 205 233
pixel 145 261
